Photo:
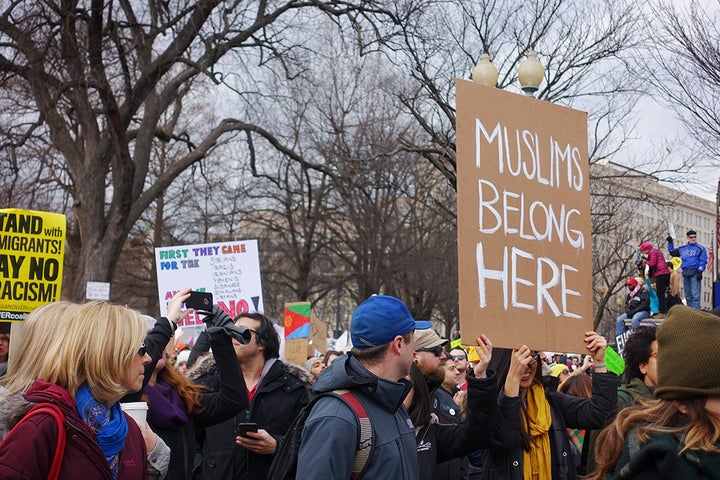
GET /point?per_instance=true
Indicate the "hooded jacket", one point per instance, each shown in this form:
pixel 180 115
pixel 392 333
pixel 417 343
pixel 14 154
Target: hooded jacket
pixel 329 438
pixel 29 451
pixel 279 397
pixel 630 393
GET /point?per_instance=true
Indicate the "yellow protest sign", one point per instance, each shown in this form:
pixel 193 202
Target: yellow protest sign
pixel 32 245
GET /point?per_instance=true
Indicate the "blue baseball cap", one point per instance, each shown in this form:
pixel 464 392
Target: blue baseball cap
pixel 381 318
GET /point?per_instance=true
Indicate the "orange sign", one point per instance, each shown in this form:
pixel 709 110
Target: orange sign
pixel 524 249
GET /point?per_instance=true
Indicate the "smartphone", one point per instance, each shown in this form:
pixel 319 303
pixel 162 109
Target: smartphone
pixel 241 429
pixel 202 301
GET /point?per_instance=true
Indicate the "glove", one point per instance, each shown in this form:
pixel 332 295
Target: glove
pixel 669 239
pixel 698 275
pixel 241 334
pixel 217 318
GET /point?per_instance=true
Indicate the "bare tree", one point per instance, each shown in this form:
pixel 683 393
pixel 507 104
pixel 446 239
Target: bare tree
pixel 683 69
pixel 584 47
pixel 100 83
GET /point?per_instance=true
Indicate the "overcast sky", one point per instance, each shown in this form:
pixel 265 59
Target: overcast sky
pixel 657 131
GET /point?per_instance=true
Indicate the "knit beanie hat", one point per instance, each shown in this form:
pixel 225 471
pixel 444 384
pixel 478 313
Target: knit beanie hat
pixel 688 341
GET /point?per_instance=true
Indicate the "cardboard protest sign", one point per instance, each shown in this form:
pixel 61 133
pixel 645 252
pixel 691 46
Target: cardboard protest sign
pixel 296 350
pixel 229 270
pixel 318 335
pixel 32 245
pixel 524 249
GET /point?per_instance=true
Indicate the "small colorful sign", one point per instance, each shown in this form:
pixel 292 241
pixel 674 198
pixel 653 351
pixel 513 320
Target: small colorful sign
pixel 297 320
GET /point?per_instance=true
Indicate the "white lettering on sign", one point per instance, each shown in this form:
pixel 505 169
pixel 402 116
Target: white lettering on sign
pixel 522 153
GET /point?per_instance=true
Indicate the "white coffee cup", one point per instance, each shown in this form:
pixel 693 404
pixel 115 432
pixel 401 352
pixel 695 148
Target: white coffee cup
pixel 137 410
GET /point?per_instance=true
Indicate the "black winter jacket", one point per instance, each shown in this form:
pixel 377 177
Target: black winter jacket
pixel 440 442
pixel 503 459
pixel 218 406
pixel 638 303
pixel 279 397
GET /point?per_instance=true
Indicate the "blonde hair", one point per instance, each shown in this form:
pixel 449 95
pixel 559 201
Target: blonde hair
pixel 94 342
pixel 40 330
pixel 699 429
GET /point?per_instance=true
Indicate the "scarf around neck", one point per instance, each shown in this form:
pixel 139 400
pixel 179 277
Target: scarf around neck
pixel 108 424
pixel 166 410
pixel 536 462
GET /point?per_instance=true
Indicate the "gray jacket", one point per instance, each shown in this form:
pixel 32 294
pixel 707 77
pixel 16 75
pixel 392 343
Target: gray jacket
pixel 329 438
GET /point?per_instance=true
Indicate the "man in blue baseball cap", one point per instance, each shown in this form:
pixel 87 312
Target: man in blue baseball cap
pixel 374 373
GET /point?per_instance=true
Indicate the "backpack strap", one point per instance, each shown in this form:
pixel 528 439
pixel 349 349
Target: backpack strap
pixel 365 432
pixel 55 412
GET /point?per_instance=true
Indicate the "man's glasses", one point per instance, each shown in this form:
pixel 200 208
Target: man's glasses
pixel 459 358
pixel 4 339
pixel 142 350
pixel 437 351
pixel 692 236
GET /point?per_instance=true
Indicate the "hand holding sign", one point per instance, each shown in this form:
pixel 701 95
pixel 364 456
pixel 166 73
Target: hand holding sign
pixel 520 361
pixel 484 352
pixel 596 345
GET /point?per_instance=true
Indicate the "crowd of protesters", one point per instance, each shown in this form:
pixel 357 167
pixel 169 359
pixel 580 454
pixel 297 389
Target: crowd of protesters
pixel 401 404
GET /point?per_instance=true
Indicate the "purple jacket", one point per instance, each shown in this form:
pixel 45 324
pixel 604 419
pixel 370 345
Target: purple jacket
pixel 656 261
pixel 29 452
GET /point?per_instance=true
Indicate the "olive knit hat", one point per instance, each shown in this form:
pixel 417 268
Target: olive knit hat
pixel 688 343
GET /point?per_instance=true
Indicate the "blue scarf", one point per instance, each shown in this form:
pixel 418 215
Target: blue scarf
pixel 109 425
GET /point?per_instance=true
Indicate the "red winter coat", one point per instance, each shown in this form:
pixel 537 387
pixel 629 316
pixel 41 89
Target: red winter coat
pixel 28 453
pixel 656 261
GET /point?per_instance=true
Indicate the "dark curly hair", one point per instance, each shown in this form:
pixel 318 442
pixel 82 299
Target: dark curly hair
pixel 637 350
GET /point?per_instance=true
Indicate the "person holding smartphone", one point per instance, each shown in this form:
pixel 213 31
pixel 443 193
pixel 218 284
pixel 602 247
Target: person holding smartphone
pixel 244 446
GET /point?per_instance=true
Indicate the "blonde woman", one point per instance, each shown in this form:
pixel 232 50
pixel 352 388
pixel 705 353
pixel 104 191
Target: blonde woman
pixel 677 435
pixel 85 359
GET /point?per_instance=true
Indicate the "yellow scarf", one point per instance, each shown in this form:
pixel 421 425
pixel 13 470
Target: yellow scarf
pixel 537 462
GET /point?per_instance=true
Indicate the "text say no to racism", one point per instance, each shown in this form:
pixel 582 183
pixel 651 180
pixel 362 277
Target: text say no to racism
pixel 540 166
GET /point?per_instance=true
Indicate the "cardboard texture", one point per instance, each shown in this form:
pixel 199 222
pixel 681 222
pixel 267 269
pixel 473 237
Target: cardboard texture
pixel 524 248
pixel 318 335
pixel 296 350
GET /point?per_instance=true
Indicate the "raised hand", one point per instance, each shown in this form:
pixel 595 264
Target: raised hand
pixel 175 312
pixel 596 346
pixel 484 351
pixel 519 362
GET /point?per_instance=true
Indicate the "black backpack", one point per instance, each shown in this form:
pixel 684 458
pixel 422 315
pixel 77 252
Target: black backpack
pixel 284 465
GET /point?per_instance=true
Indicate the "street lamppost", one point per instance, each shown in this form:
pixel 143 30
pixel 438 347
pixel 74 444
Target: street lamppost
pixel 485 73
pixel 530 73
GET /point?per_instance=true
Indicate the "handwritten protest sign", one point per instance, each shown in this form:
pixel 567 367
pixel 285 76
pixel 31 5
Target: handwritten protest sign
pixel 32 245
pixel 229 270
pixel 524 249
